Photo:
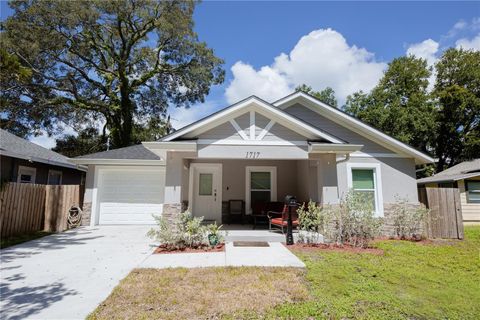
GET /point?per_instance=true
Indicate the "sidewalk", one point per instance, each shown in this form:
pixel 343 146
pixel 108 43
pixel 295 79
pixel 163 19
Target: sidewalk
pixel 276 255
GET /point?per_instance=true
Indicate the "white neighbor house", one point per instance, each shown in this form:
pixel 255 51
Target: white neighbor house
pixel 298 145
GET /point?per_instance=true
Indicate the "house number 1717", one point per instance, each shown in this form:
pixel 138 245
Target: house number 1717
pixel 252 155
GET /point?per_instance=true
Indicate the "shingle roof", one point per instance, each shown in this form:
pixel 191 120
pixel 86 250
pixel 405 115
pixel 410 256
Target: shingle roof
pixel 13 146
pixel 460 171
pixel 136 152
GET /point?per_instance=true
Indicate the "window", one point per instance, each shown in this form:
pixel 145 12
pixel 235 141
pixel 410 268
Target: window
pixel 261 185
pixel 205 184
pixel 54 177
pixel 26 174
pixel 363 182
pixel 473 191
pixel 365 179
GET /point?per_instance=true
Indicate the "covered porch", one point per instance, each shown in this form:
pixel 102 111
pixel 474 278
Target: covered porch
pixel 242 192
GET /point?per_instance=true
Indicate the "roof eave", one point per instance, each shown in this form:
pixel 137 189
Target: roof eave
pixel 420 157
pixel 333 148
pixel 45 161
pixel 86 161
pixel 171 145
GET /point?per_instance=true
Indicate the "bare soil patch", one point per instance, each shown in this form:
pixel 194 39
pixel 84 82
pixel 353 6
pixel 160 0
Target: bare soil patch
pixel 164 250
pixel 332 247
pixel 203 293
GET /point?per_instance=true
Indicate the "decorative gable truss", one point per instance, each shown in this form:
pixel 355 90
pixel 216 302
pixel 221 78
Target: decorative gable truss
pixel 252 121
pixel 253 129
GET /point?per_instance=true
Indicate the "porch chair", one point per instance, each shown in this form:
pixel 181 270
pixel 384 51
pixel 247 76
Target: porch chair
pixel 280 219
pixel 236 209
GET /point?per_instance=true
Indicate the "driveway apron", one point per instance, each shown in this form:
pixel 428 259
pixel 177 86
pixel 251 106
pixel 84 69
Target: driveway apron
pixel 66 275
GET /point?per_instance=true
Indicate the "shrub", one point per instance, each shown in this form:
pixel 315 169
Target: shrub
pixel 312 221
pixel 408 220
pixel 353 221
pixel 183 231
pixel 213 234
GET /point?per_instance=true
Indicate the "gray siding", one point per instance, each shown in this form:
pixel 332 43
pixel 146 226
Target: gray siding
pixel 243 122
pixel 226 130
pixel 335 129
pixel 281 133
pixel 223 131
pixel 9 171
pixel 398 178
pixel 260 123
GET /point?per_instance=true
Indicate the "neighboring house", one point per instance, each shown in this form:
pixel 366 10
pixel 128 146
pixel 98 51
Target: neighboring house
pixel 466 177
pixel 253 151
pixel 26 162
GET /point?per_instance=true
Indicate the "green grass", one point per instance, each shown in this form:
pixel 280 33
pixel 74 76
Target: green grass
pixel 440 280
pixel 4 243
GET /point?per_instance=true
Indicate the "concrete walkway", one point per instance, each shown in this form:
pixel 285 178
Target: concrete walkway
pixel 66 275
pixel 276 255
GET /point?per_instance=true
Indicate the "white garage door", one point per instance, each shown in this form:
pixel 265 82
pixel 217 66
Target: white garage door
pixel 130 195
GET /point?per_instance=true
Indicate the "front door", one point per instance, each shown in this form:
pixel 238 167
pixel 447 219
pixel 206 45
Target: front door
pixel 207 190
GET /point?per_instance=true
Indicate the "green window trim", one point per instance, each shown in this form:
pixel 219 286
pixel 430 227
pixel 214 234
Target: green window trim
pixel 472 189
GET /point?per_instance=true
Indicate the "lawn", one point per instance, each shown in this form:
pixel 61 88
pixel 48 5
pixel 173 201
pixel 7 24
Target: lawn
pixel 5 243
pixel 439 280
pixel 207 293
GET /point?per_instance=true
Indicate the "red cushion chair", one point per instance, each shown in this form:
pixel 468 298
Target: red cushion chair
pixel 280 219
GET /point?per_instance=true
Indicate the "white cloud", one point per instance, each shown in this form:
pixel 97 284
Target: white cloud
pixel 181 117
pixel 320 59
pixel 267 83
pixel 47 141
pixel 427 50
pixel 44 140
pixel 467 44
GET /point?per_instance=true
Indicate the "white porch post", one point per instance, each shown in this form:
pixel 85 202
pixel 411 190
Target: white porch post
pixel 173 184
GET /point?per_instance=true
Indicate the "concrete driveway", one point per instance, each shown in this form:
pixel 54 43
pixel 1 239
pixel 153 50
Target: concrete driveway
pixel 66 275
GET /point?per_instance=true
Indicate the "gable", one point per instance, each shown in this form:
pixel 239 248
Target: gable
pixel 300 111
pixel 352 124
pixel 273 124
pixel 265 129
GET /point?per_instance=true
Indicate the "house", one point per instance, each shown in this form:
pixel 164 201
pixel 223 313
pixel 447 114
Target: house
pixel 466 177
pixel 26 162
pixel 251 151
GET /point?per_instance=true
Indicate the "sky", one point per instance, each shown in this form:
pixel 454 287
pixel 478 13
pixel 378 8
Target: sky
pixel 269 48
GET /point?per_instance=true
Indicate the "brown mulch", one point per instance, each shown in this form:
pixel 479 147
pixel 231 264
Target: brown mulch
pixel 333 247
pixel 164 250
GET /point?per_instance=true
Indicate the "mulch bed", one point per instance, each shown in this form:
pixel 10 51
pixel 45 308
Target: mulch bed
pixel 332 247
pixel 217 248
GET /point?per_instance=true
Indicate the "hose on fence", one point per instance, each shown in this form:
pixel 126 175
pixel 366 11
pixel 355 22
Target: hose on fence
pixel 74 218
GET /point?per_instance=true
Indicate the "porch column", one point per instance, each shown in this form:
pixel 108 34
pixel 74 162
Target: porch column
pixel 173 184
pixel 327 179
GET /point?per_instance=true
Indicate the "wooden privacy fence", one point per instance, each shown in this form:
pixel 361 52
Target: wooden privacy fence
pixel 445 212
pixel 27 208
